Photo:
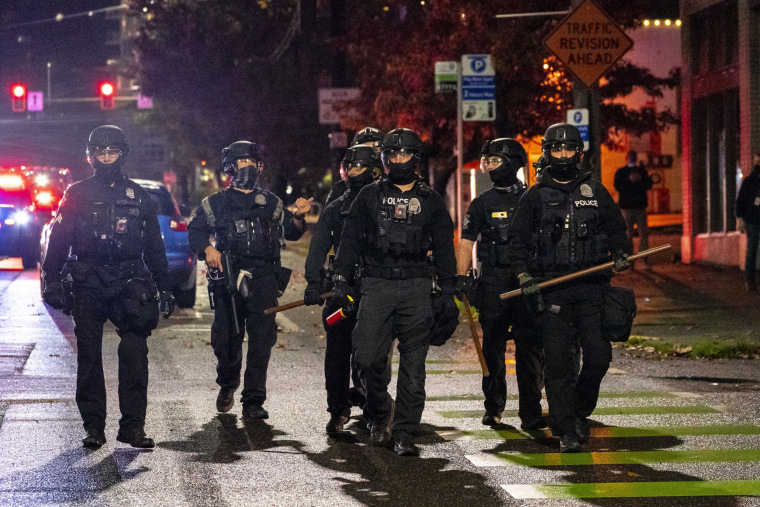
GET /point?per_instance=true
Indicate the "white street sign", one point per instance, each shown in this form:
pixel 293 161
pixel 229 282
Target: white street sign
pixel 478 88
pixel 446 76
pixel 329 97
pixel 579 119
pixel 34 101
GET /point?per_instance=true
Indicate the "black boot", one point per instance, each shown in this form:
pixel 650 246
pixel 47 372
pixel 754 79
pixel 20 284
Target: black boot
pixel 255 412
pixel 94 439
pixel 226 399
pixel 569 443
pixel 583 430
pixel 337 422
pixel 380 434
pixel 492 419
pixel 135 438
pixel 533 424
pixel 405 446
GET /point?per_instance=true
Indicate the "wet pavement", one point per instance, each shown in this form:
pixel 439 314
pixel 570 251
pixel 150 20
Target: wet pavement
pixel 676 432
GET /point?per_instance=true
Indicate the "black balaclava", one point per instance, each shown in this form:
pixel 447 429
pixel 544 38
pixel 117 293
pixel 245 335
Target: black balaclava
pixel 111 137
pixel 245 178
pixel 506 174
pixel 356 183
pixel 107 173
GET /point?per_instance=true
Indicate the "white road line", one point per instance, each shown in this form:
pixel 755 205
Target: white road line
pixel 686 395
pixel 449 435
pixel 187 329
pixel 485 460
pixel 286 324
pixel 522 491
pixel 615 371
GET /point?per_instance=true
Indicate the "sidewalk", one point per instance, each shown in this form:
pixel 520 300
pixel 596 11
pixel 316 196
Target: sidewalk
pixel 681 303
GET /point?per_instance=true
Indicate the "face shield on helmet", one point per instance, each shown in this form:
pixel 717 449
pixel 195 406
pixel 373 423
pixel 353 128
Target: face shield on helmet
pixel 360 166
pixel 242 160
pixel 562 145
pixel 502 159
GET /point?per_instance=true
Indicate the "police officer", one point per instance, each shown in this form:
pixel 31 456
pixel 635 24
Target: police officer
pixel 567 222
pixel 394 223
pixel 361 166
pixel 368 136
pixel 110 226
pixel 249 226
pixel 489 217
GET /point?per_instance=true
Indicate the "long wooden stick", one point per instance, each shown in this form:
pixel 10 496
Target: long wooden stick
pixel 588 271
pixel 294 304
pixel 475 338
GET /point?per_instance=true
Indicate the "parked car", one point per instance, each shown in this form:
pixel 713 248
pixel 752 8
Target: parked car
pixel 182 261
pixel 20 221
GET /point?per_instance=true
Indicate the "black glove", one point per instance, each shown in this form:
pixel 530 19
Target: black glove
pixel 532 293
pixel 344 296
pixel 53 295
pixel 445 318
pixel 166 303
pixel 312 293
pixel 465 287
pixel 621 261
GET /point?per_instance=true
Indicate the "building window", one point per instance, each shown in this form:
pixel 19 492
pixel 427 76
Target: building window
pixel 714 38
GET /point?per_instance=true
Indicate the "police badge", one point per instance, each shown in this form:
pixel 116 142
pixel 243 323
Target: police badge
pixel 586 191
pixel 414 206
pixel 260 199
pixel 130 193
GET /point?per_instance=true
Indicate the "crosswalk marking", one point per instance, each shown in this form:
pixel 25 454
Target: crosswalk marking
pixel 625 394
pixel 634 489
pixel 609 432
pixel 655 410
pixel 622 457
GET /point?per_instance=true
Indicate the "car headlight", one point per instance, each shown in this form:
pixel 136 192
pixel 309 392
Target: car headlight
pixel 22 217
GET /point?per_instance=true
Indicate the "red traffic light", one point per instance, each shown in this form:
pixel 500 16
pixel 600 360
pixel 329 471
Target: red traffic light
pixel 18 97
pixel 107 91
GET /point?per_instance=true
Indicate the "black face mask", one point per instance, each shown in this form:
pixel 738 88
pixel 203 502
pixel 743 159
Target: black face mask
pixel 401 176
pixel 506 174
pixel 563 172
pixel 355 183
pixel 245 178
pixel 108 173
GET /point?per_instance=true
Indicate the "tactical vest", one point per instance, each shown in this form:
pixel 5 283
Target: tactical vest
pixel 400 227
pixel 494 241
pixel 569 235
pixel 252 233
pixel 348 198
pixel 111 230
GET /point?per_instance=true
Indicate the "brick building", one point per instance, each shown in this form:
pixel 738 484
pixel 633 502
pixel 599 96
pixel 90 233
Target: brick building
pixel 720 114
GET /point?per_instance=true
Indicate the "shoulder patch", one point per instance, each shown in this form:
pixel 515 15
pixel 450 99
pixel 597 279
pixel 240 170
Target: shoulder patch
pixel 210 218
pixel 260 199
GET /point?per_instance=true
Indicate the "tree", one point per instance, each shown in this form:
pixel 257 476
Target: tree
pixel 393 45
pixel 224 70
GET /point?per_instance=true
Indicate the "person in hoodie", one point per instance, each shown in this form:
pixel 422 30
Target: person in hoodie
pixel 362 166
pixel 119 272
pixel 564 223
pixel 489 218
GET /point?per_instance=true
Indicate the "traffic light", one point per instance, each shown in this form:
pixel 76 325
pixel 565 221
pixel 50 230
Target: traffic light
pixel 18 97
pixel 107 92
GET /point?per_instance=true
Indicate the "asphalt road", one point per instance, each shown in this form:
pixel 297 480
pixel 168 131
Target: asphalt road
pixel 675 432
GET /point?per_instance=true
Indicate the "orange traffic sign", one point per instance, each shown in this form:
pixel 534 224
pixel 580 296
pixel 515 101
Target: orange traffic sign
pixel 588 42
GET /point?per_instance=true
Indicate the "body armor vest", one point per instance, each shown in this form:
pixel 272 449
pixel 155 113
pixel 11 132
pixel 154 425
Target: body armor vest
pixel 569 234
pixel 111 230
pixel 493 246
pixel 400 228
pixel 248 232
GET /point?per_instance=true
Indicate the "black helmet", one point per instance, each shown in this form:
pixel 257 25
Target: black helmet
pixel 107 136
pixel 368 135
pixel 403 141
pixel 506 147
pixel 567 136
pixel 240 149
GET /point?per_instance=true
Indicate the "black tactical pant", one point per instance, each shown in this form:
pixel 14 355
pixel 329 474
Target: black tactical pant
pixel 94 303
pixel 573 312
pixel 502 321
pixel 262 335
pixel 388 309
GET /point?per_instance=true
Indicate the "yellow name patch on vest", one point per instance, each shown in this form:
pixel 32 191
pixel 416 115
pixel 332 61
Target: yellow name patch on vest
pixel 499 214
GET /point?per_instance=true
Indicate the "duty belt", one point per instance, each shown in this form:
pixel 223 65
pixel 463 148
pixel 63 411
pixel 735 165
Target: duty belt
pixel 125 269
pixel 398 272
pixel 260 271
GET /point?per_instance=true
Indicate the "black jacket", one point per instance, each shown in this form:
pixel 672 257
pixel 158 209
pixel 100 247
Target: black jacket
pixel 748 201
pixel 326 235
pixel 526 223
pixel 75 212
pixel 362 224
pixel 200 228
pixel 632 184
